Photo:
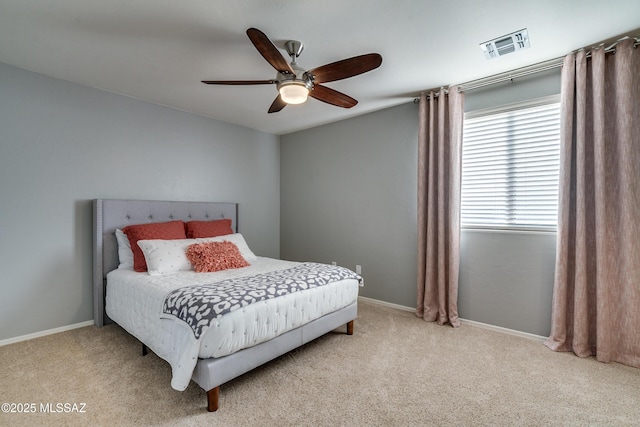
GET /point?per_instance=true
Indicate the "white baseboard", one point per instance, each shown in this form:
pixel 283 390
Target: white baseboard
pixel 386 304
pixel 504 330
pixel 463 321
pixel 45 333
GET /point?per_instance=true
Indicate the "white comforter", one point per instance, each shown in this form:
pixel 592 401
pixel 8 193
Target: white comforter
pixel 134 300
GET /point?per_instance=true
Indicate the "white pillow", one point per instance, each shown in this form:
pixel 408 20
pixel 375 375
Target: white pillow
pixel 166 256
pixel 169 256
pixel 124 250
pixel 238 240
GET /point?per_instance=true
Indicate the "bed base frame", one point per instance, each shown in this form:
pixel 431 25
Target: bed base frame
pixel 214 394
pixel 109 214
pixel 207 370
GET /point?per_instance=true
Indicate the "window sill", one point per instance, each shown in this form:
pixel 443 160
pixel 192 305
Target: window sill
pixel 510 230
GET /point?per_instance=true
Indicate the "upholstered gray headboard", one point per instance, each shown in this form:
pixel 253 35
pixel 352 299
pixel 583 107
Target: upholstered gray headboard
pixel 109 214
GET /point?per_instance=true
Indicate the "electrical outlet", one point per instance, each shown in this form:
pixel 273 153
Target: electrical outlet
pixel 358 269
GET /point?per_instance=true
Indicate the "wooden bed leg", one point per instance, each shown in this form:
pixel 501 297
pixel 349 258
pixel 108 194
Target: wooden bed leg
pixel 212 399
pixel 145 350
pixel 350 328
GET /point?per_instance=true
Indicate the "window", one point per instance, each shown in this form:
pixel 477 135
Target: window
pixel 510 161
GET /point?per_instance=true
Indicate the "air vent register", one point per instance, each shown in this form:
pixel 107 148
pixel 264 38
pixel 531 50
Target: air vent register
pixel 505 44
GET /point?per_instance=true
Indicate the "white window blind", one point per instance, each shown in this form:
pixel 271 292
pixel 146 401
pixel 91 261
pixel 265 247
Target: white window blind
pixel 510 162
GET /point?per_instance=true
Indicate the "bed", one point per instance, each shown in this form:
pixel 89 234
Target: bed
pixel 232 343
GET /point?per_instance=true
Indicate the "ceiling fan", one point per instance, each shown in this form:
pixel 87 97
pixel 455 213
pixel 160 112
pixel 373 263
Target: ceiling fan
pixel 296 84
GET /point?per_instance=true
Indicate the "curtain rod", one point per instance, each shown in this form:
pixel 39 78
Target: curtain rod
pixel 511 75
pixel 528 70
pixel 636 42
pixel 508 76
pixel 435 95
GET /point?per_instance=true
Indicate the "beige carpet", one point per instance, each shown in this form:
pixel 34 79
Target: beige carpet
pixel 396 370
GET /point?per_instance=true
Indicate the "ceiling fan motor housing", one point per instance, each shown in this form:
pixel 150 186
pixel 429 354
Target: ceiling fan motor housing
pixel 301 78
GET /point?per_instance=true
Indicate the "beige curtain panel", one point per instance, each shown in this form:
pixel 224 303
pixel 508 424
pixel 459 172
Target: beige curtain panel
pixel 439 171
pixel 596 300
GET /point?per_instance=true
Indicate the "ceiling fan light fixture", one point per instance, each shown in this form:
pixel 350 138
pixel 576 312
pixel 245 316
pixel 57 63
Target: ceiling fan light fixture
pixel 293 92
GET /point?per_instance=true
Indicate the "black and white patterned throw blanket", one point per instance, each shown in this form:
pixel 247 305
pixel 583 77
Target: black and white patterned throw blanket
pixel 198 305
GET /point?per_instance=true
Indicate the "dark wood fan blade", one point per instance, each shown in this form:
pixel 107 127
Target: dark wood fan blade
pixel 331 96
pixel 277 105
pixel 269 51
pixel 346 68
pixel 238 82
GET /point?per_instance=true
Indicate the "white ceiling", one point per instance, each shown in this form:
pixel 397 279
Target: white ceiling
pixel 160 50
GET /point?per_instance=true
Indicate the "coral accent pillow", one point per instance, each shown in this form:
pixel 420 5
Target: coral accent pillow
pixel 198 229
pixel 160 230
pixel 238 240
pixel 215 256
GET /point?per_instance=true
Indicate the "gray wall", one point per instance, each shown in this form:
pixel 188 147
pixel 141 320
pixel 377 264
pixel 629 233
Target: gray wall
pixel 348 194
pixel 506 279
pixel 62 145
